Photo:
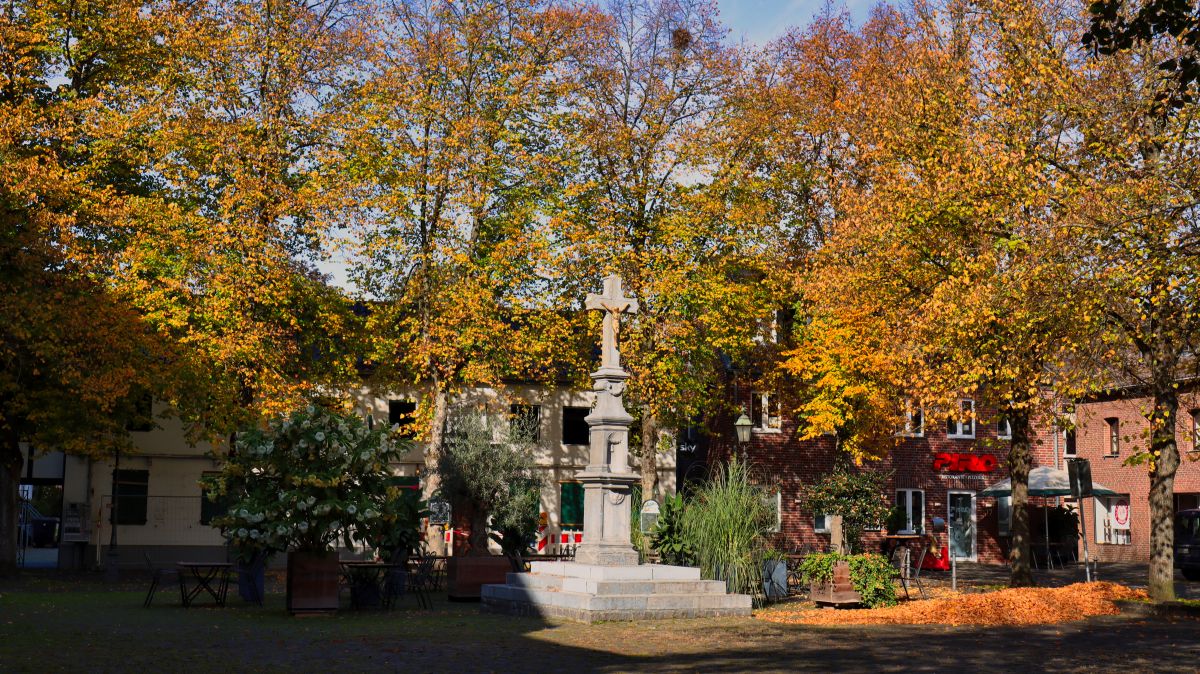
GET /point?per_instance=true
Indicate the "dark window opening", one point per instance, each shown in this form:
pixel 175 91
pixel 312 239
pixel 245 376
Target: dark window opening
pixel 402 413
pixel 132 487
pixel 526 421
pixel 574 426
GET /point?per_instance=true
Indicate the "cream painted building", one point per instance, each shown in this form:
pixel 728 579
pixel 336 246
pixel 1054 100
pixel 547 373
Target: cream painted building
pixel 163 513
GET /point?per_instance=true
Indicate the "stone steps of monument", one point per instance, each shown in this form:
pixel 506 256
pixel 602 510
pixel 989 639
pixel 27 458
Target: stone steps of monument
pixel 615 587
pixel 602 572
pixel 616 602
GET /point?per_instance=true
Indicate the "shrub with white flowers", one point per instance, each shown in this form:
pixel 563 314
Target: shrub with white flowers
pixel 307 479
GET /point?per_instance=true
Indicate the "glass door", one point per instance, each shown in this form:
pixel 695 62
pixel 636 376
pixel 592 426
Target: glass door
pixel 961 521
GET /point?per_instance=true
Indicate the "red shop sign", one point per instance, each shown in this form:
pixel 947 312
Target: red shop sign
pixel 953 462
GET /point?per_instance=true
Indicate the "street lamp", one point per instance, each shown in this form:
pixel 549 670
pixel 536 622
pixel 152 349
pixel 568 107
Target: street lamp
pixel 743 426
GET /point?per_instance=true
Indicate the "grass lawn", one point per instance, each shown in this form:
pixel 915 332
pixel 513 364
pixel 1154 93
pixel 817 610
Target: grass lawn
pixel 50 623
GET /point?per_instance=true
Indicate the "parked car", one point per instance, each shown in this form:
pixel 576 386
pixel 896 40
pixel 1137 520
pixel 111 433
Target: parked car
pixel 1187 543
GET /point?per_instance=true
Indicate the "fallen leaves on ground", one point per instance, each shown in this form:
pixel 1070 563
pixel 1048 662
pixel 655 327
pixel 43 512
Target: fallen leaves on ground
pixel 1016 606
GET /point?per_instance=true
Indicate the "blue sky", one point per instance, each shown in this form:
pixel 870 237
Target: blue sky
pixel 759 21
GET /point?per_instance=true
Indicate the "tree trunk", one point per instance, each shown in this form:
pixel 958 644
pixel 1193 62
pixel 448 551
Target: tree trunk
pixel 437 432
pixel 1020 460
pixel 1164 457
pixel 478 538
pixel 649 458
pixel 11 463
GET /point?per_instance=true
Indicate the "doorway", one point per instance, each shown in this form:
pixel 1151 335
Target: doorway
pixel 961 523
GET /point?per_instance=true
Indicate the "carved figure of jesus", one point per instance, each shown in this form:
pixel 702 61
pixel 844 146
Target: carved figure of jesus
pixel 613 303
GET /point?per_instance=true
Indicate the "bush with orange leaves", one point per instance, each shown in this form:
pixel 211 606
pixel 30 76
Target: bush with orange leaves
pixel 1015 606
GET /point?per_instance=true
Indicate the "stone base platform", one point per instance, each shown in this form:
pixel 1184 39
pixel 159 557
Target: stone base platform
pixel 589 593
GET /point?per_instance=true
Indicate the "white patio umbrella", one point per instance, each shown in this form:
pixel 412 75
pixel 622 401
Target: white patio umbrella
pixel 1045 481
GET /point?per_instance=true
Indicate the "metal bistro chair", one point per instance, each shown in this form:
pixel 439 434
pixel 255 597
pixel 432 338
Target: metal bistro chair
pixel 157 576
pixel 912 574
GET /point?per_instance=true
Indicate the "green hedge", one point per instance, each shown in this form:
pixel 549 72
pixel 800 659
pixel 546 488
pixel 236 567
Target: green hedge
pixel 872 576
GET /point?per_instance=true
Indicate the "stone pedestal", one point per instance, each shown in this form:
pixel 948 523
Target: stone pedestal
pixel 589 593
pixel 607 480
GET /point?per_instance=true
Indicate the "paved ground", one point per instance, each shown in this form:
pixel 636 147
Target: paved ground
pixel 51 623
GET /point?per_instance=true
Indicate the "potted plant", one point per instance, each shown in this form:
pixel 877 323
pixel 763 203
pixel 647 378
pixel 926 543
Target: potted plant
pixel 301 482
pixel 488 476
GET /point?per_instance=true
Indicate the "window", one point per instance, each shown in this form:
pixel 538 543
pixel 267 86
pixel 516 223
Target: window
pixel 1068 432
pixel 914 419
pixel 821 524
pixel 210 507
pixel 1112 520
pixel 765 413
pixel 1004 515
pixel 912 502
pixel 526 421
pixel 1114 436
pixel 1195 430
pixel 132 487
pixel 775 502
pixel 570 514
pixel 574 425
pixel 1003 429
pixel 963 424
pixel 402 413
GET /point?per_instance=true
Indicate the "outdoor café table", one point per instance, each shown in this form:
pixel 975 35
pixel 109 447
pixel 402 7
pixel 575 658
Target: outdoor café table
pixel 210 577
pixel 377 575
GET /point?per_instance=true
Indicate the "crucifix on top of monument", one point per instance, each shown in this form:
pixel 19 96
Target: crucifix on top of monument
pixel 613 303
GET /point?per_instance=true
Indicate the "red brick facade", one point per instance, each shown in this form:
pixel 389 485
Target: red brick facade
pixel 980 462
pixel 791 463
pixel 1094 438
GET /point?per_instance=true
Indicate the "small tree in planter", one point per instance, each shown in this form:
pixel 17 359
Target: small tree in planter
pixel 859 496
pixel 302 482
pixel 488 475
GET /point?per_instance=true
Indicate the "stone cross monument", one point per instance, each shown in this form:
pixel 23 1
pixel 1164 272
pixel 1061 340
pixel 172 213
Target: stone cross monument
pixel 607 480
pixel 605 581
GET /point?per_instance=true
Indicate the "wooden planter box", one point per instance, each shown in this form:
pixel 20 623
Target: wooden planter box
pixel 839 591
pixel 465 575
pixel 312 582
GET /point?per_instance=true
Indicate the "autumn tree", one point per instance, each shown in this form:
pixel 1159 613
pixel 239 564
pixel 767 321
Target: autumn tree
pixel 460 148
pixel 76 357
pixel 1136 212
pixel 947 266
pixel 652 200
pixel 247 118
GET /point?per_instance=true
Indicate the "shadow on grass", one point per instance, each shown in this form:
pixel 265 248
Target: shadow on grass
pixel 50 622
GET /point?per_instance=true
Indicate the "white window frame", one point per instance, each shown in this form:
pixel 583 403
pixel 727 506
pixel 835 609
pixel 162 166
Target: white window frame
pixel 1004 429
pixel 964 429
pixel 913 430
pixel 764 421
pixel 1108 530
pixel 1195 414
pixel 1112 426
pixel 916 525
pixel 821 524
pixel 776 500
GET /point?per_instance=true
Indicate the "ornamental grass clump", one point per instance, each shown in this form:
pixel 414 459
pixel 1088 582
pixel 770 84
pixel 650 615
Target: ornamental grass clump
pixel 726 525
pixel 304 480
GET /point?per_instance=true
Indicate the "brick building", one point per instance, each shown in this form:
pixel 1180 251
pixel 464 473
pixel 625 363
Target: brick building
pixel 1110 430
pixel 937 470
